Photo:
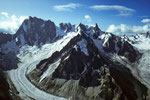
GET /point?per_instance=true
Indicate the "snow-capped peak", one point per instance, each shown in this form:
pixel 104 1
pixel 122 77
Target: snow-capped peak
pixel 105 37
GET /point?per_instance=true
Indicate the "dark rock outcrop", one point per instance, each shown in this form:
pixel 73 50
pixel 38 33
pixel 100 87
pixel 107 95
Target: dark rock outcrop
pixel 7 89
pixel 67 27
pixel 129 52
pixel 147 34
pixel 4 87
pixel 97 31
pixel 4 38
pixel 83 28
pixel 8 61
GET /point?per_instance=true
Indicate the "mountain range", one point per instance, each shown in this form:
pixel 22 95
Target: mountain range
pixel 76 62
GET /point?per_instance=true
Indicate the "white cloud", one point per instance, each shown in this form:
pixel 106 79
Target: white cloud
pixel 10 23
pixel 126 29
pixel 123 11
pixel 88 18
pixel 4 13
pixel 67 7
pixel 146 20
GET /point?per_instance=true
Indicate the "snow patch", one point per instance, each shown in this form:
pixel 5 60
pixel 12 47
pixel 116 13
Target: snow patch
pixel 105 38
pixel 76 47
pixel 22 40
pixel 50 70
pixel 59 32
pixel 24 27
pixel 83 46
pixel 141 42
pixel 43 25
pixel 116 47
pixel 98 44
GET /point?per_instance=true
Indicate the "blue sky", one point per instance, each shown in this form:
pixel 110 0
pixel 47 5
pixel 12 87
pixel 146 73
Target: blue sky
pixel 118 16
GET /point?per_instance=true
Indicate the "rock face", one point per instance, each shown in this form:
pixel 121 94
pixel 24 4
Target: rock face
pixel 129 52
pixel 35 31
pixel 147 35
pixel 4 38
pixel 116 44
pixel 66 26
pixel 7 60
pixel 83 72
pixel 97 31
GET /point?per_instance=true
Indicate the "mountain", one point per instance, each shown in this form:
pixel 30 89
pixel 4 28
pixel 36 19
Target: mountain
pixel 35 31
pixel 85 65
pixel 78 62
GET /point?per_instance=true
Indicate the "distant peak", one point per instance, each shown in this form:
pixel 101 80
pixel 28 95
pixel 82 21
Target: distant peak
pixel 82 26
pixel 96 28
pixel 148 34
pixel 96 25
pixel 67 27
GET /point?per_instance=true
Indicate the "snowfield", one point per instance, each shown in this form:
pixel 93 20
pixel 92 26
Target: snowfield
pixel 141 42
pixel 143 67
pixel 30 57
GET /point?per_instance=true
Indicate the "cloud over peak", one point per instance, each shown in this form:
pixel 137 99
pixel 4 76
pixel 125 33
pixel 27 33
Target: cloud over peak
pixel 67 7
pixel 123 11
pixel 10 23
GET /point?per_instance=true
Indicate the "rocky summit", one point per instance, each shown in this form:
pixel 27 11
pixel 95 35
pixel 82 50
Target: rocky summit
pixel 76 62
pixel 35 31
